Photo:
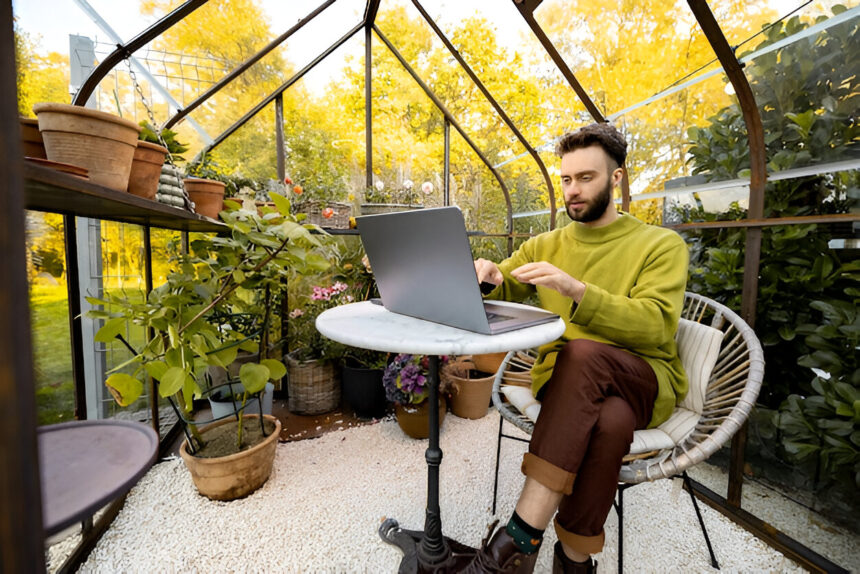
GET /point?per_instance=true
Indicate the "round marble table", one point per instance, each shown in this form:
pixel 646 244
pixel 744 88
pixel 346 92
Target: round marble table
pixel 371 326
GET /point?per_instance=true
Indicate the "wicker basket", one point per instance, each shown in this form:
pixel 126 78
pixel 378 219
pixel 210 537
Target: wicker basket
pixel 338 219
pixel 313 386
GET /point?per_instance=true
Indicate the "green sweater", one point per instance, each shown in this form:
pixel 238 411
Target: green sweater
pixel 635 276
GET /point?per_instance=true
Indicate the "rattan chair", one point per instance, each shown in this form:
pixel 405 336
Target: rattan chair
pixel 725 364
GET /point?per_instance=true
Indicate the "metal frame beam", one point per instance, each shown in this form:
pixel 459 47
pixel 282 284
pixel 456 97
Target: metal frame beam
pixel 499 110
pixel 758 179
pixel 21 535
pixel 236 72
pixel 450 118
pixel 280 90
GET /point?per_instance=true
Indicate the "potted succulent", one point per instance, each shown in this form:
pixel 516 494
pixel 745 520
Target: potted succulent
pixel 406 383
pixel 219 271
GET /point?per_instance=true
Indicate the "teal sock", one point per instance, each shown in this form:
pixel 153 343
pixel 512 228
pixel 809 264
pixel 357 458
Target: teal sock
pixel 527 538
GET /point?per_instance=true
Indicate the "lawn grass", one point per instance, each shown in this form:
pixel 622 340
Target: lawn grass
pixel 52 353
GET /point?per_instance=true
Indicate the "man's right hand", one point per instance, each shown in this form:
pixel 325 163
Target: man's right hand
pixel 488 271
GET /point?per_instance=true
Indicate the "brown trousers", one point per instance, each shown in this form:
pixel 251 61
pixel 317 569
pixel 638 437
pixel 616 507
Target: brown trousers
pixel 597 396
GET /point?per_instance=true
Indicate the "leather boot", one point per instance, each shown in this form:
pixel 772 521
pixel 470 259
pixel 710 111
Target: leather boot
pixel 501 555
pixel 561 564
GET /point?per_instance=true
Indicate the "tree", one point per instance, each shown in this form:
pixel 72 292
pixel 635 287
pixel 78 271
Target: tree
pixel 39 78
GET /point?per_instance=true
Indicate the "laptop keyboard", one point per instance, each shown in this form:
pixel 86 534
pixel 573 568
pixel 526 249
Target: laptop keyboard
pixel 496 317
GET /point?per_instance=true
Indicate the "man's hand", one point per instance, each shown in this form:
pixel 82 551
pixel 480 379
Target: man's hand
pixel 547 275
pixel 488 271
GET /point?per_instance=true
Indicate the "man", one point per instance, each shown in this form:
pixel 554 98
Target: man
pixel 620 284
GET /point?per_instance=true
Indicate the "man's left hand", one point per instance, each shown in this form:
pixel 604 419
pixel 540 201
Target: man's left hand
pixel 547 275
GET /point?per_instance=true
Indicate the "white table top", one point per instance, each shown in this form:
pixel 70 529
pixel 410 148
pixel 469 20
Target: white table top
pixel 369 326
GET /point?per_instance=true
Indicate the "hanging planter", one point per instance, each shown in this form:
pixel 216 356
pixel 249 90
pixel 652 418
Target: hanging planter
pixel 207 195
pixel 146 169
pixel 102 143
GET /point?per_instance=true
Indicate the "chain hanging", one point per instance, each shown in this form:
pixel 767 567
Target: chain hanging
pixel 157 128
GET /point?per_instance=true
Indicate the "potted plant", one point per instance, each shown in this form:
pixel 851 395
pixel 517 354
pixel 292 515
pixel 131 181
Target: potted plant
pixel 321 204
pixel 257 255
pixel 313 381
pixel 205 186
pixel 470 388
pixel 146 163
pixel 362 382
pixel 384 199
pixel 406 382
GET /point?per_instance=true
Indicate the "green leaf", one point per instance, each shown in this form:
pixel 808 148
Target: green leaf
pixel 281 203
pixel 156 369
pixel 276 368
pixel 225 356
pixel 238 275
pixel 124 388
pixel 172 381
pixel 110 330
pixel 254 376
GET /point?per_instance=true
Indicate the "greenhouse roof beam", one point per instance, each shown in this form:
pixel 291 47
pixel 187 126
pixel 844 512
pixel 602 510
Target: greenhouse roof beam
pixel 370 12
pixel 526 9
pixel 280 90
pixel 126 50
pixel 494 103
pixel 245 65
pixel 448 116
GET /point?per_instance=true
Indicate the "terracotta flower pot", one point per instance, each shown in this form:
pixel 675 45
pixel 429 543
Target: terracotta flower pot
pixel 146 169
pixel 102 143
pixel 415 419
pixel 488 362
pixel 31 139
pixel 236 475
pixel 207 195
pixel 470 398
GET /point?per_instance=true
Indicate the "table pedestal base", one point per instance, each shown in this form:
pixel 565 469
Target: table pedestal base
pixel 454 559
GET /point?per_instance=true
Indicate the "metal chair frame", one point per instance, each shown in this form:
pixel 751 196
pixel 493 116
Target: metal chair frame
pixel 732 389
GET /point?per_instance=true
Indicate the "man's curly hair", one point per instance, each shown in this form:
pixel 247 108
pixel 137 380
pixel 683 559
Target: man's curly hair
pixel 603 134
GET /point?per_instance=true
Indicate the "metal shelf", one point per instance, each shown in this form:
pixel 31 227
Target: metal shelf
pixel 46 189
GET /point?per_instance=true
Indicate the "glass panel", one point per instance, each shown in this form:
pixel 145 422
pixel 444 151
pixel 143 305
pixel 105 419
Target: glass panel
pixel 49 316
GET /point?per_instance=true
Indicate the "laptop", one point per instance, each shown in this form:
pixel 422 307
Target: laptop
pixel 422 262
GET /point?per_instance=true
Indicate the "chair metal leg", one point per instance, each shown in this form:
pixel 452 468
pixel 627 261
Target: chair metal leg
pixel 498 452
pixel 701 521
pixel 619 508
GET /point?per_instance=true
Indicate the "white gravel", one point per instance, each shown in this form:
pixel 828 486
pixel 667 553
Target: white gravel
pixel 320 510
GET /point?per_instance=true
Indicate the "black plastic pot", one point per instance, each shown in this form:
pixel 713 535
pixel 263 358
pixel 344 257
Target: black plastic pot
pixel 363 391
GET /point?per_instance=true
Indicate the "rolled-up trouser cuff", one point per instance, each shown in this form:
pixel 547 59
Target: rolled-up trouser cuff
pixel 551 476
pixel 580 543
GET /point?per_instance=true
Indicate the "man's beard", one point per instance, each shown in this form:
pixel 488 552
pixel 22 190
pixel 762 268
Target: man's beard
pixel 593 211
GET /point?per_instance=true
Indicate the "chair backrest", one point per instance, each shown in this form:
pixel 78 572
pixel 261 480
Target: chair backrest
pixel 712 339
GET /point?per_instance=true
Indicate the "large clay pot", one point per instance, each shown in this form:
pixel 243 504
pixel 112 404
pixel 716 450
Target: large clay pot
pixel 414 420
pixel 146 169
pixel 31 139
pixel 207 195
pixel 470 398
pixel 488 362
pixel 102 143
pixel 236 475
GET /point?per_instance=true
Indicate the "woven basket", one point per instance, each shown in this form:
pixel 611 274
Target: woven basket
pixel 339 218
pixel 470 397
pixel 313 387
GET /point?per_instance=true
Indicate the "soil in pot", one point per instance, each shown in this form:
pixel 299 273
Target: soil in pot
pixel 221 440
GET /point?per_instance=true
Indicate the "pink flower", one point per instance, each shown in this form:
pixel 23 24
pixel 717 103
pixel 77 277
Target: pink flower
pixel 427 188
pixel 296 313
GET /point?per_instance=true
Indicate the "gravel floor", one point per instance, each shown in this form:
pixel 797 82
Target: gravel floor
pixel 320 510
